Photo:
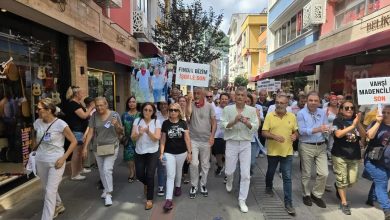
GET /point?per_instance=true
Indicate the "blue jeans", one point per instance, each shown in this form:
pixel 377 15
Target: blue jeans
pixel 157 95
pixel 161 174
pixel 380 177
pixel 285 165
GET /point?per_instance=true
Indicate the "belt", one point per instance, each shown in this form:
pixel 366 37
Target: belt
pixel 318 143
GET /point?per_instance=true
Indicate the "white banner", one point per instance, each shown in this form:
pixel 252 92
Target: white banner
pixel 278 85
pixel 195 74
pixel 268 84
pixel 373 90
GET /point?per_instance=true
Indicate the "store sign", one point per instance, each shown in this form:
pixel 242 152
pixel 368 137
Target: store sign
pixel 373 90
pixel 382 22
pixel 194 74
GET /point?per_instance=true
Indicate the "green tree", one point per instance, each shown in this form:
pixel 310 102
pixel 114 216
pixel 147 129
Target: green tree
pixel 189 33
pixel 241 81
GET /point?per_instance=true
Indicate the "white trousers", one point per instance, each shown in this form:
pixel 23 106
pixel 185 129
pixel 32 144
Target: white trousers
pixel 174 166
pixel 106 165
pixel 241 151
pixel 200 151
pixel 51 179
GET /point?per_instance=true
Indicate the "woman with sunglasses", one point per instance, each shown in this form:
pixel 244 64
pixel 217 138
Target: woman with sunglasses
pixel 104 128
pixel 175 146
pixel 128 119
pixel 379 134
pixel 50 155
pixel 346 152
pixel 146 133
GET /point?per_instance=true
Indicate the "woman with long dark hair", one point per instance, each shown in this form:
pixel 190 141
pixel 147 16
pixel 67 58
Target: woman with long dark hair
pixel 146 133
pixel 128 119
pixel 346 152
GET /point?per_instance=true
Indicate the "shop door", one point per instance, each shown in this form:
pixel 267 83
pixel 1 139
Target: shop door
pixel 102 83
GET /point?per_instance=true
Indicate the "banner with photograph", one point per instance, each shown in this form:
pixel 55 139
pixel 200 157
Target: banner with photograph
pixel 149 80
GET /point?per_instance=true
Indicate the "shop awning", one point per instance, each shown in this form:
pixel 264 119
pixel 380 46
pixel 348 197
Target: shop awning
pixel 149 49
pixel 100 51
pixel 284 70
pixel 378 40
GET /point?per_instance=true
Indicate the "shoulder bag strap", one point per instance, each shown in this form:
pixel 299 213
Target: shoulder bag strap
pixel 40 141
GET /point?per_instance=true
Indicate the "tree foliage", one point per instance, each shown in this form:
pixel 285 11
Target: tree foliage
pixel 241 81
pixel 188 33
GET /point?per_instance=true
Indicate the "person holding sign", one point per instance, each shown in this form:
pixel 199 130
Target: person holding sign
pixel 346 152
pixel 240 122
pixel 202 126
pixel 374 166
pixel 313 126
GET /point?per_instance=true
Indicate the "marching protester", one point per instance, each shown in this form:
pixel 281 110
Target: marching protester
pixel 128 119
pixel 183 105
pixel 346 152
pixel 240 122
pixel 146 133
pixel 375 166
pixel 313 125
pixel 105 127
pixel 202 126
pixel 77 118
pixel 175 146
pixel 50 155
pixel 280 129
pixel 218 148
pixel 162 115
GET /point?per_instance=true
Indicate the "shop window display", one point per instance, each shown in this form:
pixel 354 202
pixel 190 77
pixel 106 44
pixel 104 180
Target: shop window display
pixel 29 71
pixel 101 83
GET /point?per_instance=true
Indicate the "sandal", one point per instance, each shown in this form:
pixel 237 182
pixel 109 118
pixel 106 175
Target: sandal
pixel 131 179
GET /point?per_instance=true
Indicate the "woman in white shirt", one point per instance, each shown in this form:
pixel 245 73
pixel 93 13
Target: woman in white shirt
pixel 50 155
pixel 146 133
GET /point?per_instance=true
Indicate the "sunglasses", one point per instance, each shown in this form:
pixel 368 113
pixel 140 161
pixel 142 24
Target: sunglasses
pixel 174 110
pixel 209 96
pixel 347 108
pixel 148 110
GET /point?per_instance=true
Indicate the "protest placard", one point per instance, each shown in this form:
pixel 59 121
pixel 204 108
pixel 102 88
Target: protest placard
pixel 194 74
pixel 373 90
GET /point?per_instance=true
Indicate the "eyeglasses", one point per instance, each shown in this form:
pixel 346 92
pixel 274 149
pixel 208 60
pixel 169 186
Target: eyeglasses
pixel 280 103
pixel 148 110
pixel 174 110
pixel 209 96
pixel 347 108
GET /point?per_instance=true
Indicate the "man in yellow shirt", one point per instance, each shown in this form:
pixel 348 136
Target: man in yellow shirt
pixel 280 130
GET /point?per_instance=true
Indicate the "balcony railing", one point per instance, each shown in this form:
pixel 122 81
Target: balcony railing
pixel 141 27
pixel 109 3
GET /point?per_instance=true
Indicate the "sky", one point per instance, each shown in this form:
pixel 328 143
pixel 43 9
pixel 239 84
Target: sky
pixel 229 7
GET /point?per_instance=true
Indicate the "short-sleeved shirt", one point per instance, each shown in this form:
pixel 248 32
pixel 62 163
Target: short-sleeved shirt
pixel 158 81
pixel 284 127
pixel 144 144
pixel 52 145
pixel 200 122
pixel 218 116
pixel 348 146
pixel 175 143
pixel 143 79
pixel 104 131
pixel 74 121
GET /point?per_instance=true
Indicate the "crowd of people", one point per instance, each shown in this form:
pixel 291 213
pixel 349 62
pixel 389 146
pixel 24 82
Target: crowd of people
pixel 175 140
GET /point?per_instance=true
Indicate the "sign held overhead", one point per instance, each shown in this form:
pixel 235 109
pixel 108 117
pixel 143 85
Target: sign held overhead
pixel 194 74
pixel 373 90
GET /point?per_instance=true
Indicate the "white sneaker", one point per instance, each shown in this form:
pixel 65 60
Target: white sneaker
pixel 85 170
pixel 296 154
pixel 78 178
pixel 229 183
pixel 103 196
pixel 242 205
pixel 108 200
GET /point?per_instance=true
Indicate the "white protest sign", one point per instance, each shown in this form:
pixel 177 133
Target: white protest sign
pixel 373 90
pixel 194 74
pixel 278 85
pixel 271 85
pixel 263 84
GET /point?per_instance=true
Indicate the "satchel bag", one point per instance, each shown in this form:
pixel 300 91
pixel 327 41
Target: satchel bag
pixel 105 150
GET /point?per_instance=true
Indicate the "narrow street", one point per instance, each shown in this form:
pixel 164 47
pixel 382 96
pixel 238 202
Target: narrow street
pixel 82 201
